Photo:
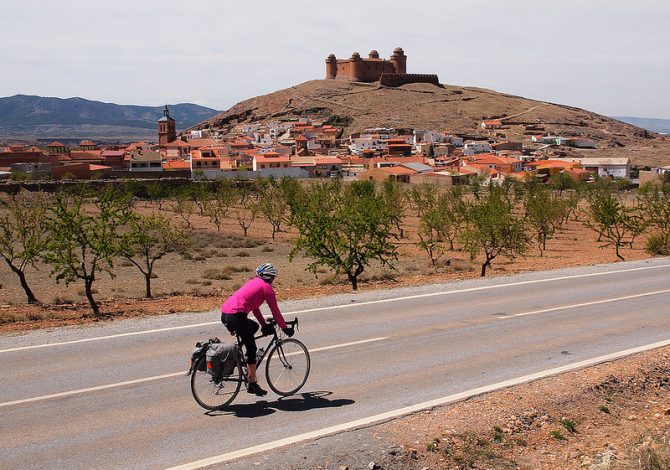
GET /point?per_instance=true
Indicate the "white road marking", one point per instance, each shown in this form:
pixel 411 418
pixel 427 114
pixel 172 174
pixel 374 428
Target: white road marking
pixel 218 459
pixel 585 304
pixel 158 377
pixel 99 338
pixel 90 389
pixel 353 304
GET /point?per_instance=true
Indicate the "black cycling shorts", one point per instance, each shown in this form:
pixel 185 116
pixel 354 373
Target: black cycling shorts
pixel 245 328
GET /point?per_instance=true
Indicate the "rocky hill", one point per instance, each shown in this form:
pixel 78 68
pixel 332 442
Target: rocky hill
pixel 456 109
pixel 38 116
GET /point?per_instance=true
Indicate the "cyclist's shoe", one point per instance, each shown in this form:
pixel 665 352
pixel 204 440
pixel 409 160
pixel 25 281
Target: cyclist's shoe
pixel 256 389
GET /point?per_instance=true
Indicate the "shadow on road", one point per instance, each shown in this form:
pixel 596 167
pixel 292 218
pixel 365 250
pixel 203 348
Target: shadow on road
pixel 303 402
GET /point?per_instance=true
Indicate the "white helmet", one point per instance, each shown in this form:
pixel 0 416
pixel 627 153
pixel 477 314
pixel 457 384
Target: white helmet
pixel 266 271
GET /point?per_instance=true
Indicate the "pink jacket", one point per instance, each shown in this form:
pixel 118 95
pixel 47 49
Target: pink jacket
pixel 250 297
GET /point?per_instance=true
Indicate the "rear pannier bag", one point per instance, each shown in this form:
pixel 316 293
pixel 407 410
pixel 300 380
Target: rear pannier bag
pixel 221 360
pixel 199 352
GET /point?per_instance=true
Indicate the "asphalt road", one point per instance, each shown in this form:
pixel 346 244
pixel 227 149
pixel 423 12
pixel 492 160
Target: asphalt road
pixel 115 395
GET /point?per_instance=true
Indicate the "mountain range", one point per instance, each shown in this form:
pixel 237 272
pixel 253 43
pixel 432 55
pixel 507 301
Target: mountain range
pixel 27 116
pixel 651 124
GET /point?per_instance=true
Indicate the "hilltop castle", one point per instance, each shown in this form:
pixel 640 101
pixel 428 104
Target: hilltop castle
pixel 392 72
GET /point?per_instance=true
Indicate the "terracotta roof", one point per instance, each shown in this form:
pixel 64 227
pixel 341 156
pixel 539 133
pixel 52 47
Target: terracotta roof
pixel 328 161
pixel 56 144
pixel 396 170
pixel 263 159
pixel 176 165
pixel 177 143
pixel 85 154
pixel 197 155
pixel 93 167
pixel 112 153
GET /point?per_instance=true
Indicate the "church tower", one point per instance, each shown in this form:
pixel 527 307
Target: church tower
pixel 167 129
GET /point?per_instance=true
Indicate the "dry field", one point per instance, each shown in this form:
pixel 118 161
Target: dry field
pixel 222 261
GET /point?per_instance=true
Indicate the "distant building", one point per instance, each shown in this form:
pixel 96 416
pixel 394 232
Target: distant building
pixel 167 129
pixel 654 175
pixel 20 154
pixel 392 72
pixel 145 161
pixel 473 148
pixel 605 167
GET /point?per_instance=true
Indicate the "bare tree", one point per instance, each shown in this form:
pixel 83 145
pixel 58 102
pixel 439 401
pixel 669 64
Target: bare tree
pixel 150 238
pixel 23 234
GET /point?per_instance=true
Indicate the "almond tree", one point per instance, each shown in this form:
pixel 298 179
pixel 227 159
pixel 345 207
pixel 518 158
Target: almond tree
pixel 493 228
pixel 545 212
pixel 84 242
pixel 397 199
pixel 183 205
pixel 23 234
pixel 616 223
pixel 432 229
pixel 343 227
pixel 246 214
pixel 150 238
pixel 218 204
pixel 654 201
pixel 273 206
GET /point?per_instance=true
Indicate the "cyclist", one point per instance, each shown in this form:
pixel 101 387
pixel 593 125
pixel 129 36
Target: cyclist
pixel 249 298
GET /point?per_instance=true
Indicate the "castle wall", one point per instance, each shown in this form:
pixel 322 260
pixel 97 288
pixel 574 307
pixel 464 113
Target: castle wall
pixel 343 69
pixel 399 79
pixel 373 69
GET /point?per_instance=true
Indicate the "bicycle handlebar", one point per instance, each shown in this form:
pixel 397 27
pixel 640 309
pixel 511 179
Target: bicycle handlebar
pixel 293 323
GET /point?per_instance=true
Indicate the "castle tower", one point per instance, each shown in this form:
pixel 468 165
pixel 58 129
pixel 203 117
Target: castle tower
pixel 373 54
pixel 399 60
pixel 167 129
pixel 331 67
pixel 356 67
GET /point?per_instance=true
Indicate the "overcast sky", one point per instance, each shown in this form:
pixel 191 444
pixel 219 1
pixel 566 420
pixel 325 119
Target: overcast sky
pixel 608 56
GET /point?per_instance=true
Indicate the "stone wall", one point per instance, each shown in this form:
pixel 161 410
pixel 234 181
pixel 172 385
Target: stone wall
pixel 399 79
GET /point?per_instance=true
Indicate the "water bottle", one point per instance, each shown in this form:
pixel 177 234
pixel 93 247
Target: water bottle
pixel 259 354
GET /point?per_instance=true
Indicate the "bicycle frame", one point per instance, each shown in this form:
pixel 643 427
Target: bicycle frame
pixel 275 340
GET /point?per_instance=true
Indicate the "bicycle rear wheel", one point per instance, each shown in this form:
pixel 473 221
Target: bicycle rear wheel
pixel 288 367
pixel 210 394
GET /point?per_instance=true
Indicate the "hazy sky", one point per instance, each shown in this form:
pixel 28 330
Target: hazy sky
pixel 607 56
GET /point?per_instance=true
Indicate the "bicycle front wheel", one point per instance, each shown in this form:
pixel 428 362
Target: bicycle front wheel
pixel 288 367
pixel 212 394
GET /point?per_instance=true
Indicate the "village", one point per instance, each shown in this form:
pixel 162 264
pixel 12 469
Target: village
pixel 311 145
pixel 310 148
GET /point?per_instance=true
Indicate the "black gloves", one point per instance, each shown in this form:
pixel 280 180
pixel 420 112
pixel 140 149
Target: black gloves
pixel 267 330
pixel 289 331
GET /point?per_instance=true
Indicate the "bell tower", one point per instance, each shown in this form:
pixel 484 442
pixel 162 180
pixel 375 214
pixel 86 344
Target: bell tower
pixel 167 129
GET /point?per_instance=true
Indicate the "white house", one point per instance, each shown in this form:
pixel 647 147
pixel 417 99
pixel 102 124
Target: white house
pixel 360 144
pixel 475 147
pixel 420 137
pixel 605 167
